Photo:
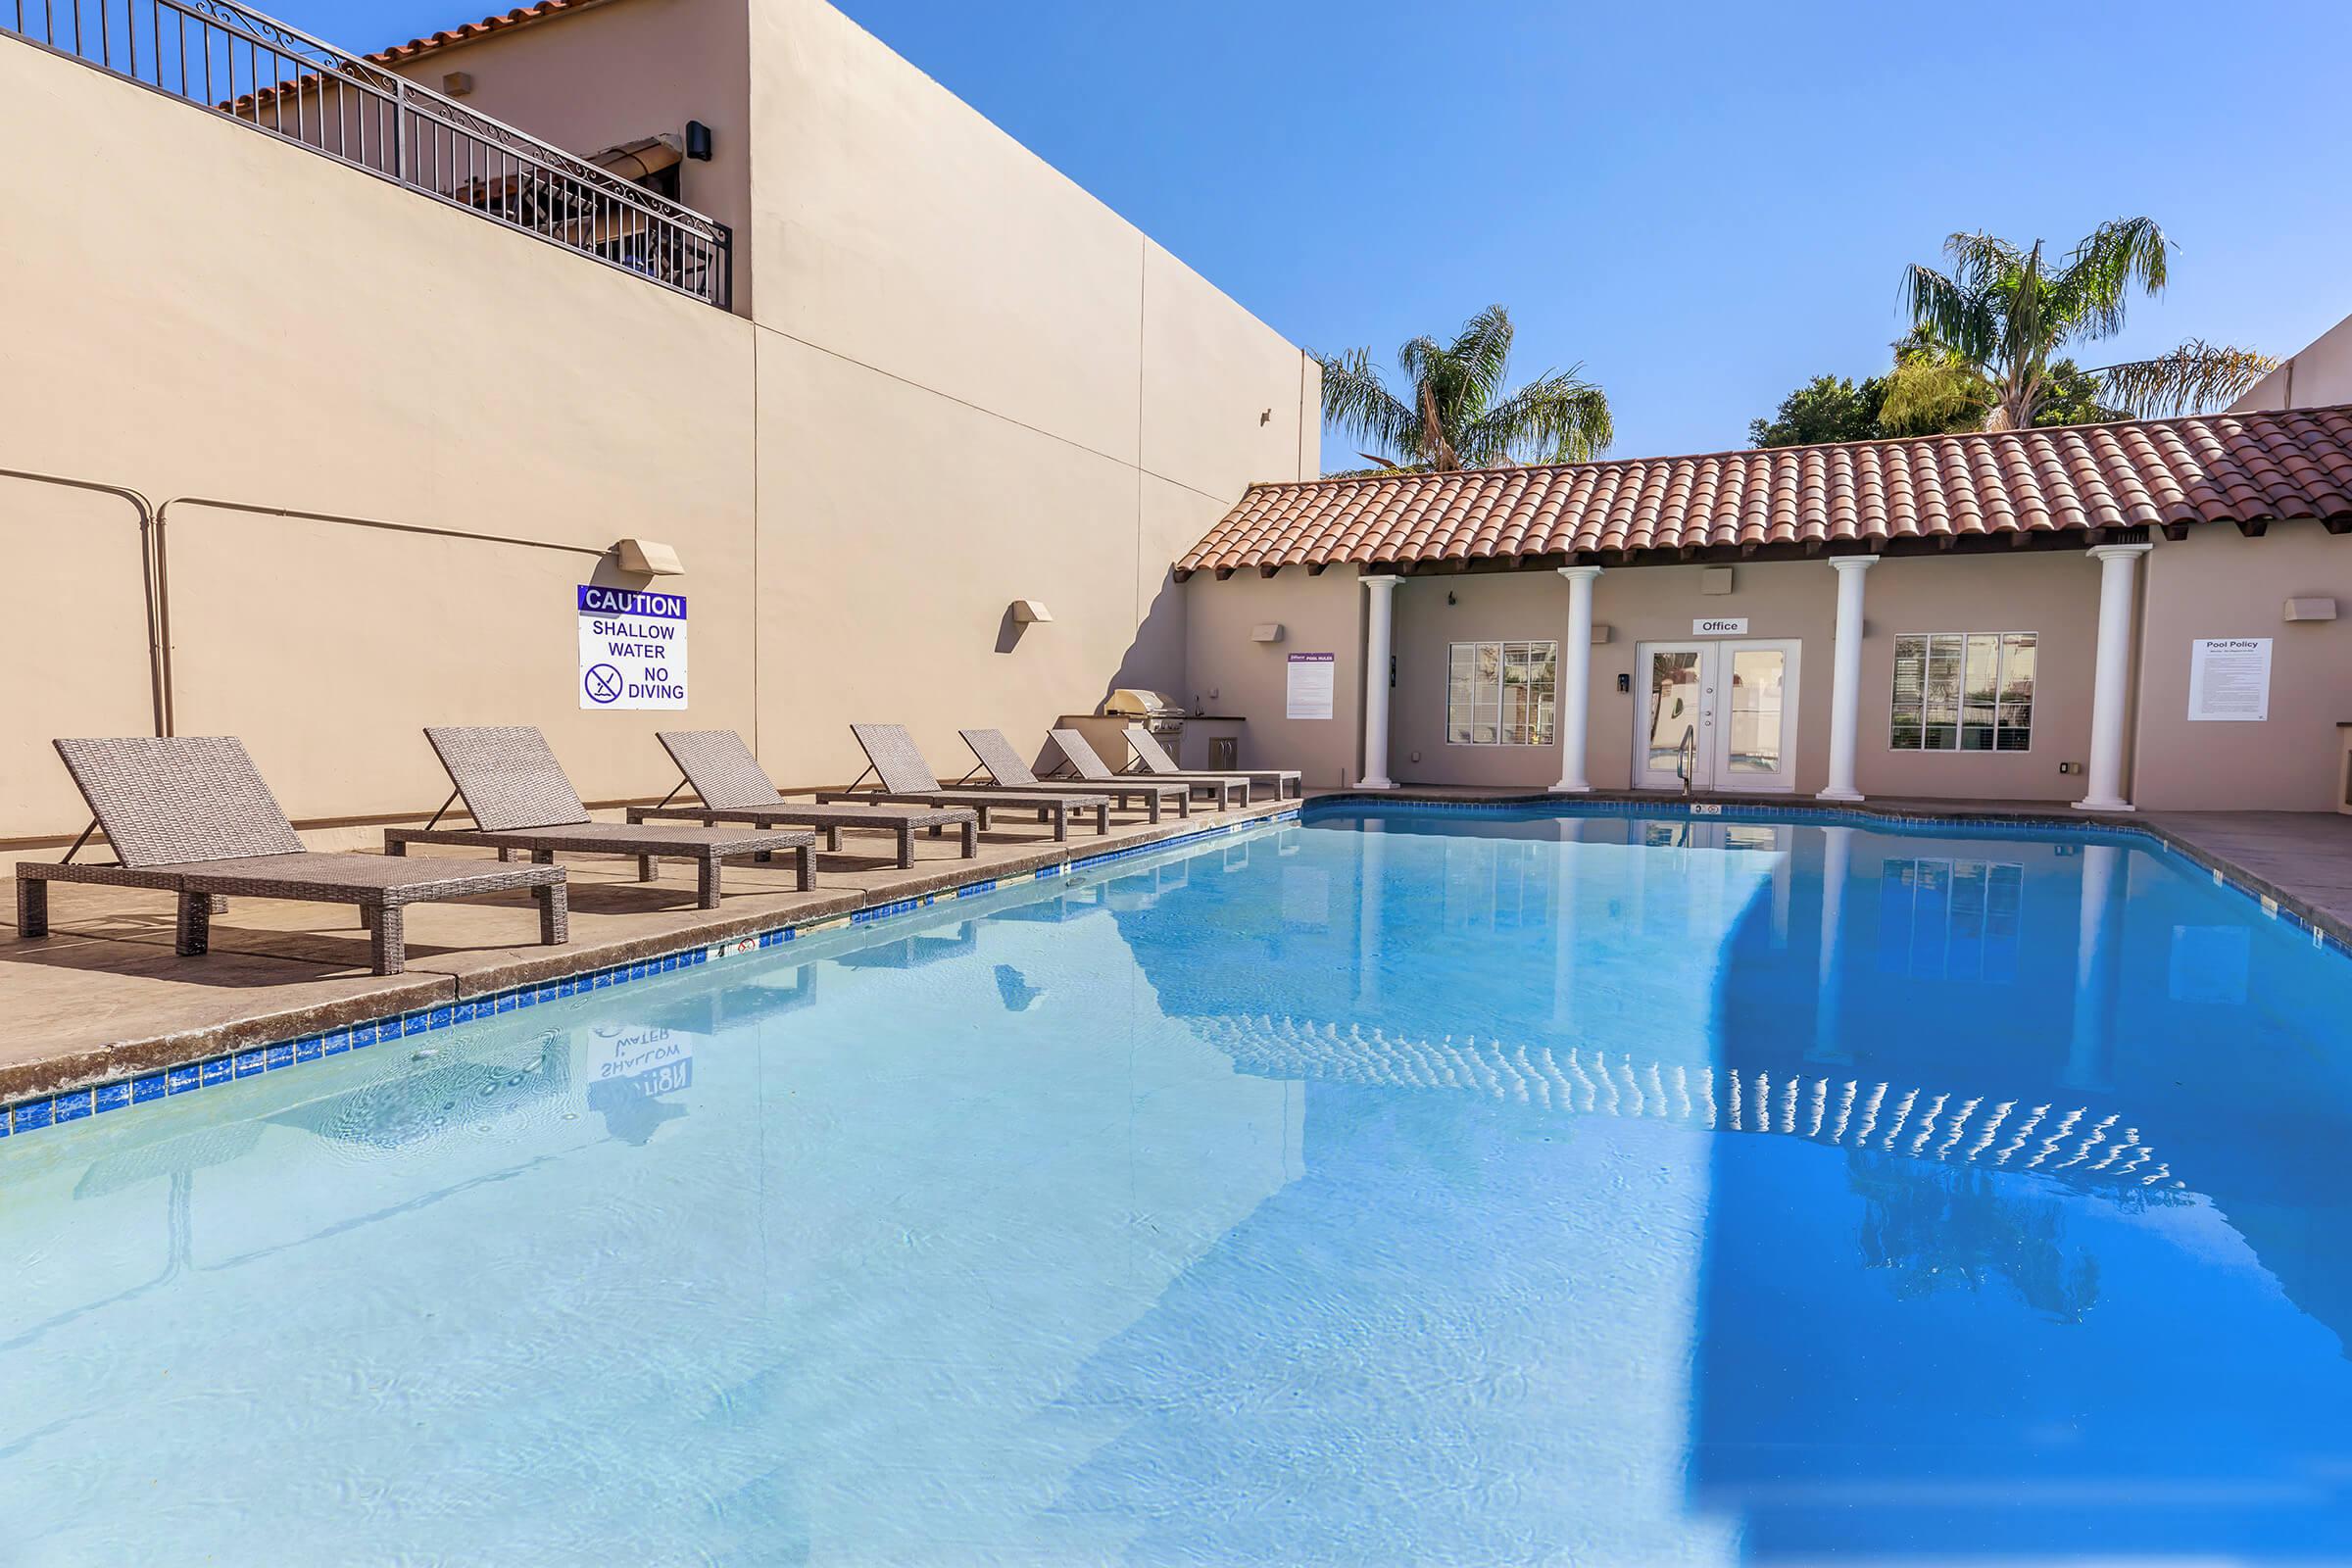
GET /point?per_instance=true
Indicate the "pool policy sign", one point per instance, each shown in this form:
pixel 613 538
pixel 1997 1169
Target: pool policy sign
pixel 632 649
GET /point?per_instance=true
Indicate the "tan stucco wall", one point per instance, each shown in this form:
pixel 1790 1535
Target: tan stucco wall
pixel 620 72
pixel 968 382
pixel 977 384
pixel 2319 375
pixel 2215 584
pixel 2053 594
pixel 1227 673
pixel 384 357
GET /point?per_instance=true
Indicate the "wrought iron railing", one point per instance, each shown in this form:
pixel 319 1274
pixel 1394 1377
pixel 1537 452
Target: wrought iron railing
pixel 262 72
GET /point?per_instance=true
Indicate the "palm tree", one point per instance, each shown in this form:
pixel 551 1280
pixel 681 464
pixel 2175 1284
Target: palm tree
pixel 1989 333
pixel 1458 415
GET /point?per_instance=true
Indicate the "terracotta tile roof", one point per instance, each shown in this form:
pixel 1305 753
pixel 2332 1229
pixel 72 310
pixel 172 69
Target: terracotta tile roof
pixel 467 33
pixel 2242 468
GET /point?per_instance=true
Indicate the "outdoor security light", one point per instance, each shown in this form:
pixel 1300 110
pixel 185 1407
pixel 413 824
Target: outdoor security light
pixel 647 558
pixel 1028 611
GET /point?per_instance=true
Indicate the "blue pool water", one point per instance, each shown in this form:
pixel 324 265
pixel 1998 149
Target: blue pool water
pixel 1435 1188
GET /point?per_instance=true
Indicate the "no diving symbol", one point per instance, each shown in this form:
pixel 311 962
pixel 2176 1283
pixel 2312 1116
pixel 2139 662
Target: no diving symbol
pixel 603 683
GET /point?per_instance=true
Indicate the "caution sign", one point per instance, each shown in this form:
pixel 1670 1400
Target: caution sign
pixel 632 649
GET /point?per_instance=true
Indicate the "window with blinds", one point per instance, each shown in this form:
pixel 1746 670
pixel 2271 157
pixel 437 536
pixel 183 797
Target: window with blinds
pixel 1963 692
pixel 1501 694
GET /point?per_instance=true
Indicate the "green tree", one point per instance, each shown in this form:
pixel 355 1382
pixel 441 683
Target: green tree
pixel 1996 323
pixel 1828 408
pixel 1456 413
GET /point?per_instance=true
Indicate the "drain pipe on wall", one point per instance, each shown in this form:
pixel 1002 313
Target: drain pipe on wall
pixel 162 583
pixel 150 582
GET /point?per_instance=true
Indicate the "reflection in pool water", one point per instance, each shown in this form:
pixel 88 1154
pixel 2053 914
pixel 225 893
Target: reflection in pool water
pixel 1443 1186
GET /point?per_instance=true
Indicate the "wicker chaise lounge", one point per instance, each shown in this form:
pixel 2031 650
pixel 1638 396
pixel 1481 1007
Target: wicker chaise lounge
pixel 1153 758
pixel 892 756
pixel 1086 763
pixel 733 787
pixel 1007 770
pixel 190 815
pixel 519 799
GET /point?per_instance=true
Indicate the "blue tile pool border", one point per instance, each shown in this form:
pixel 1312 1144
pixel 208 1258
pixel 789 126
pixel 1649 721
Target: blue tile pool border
pixel 42 1111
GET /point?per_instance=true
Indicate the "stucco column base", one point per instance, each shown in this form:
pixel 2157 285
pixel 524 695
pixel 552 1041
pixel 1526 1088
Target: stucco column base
pixel 1840 797
pixel 2105 806
pixel 1570 789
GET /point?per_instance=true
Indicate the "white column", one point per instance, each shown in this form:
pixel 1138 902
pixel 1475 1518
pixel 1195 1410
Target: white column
pixel 1845 688
pixel 1378 641
pixel 2119 564
pixel 1574 689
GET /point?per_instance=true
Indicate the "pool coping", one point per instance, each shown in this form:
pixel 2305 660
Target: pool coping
pixel 2275 902
pixel 317 1032
pixel 323 1030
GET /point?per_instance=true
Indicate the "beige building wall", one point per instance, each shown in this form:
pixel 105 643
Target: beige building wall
pixel 2053 594
pixel 968 383
pixel 2215 584
pixel 617 72
pixel 1227 672
pixel 2318 377
pixel 977 384
pixel 384 357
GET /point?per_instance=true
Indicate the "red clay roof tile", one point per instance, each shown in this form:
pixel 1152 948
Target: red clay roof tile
pixel 2245 469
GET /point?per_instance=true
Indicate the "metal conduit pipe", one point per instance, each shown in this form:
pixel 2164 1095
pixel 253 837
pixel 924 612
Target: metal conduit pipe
pixel 150 578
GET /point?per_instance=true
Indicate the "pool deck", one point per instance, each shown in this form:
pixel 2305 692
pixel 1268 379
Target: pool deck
pixel 104 995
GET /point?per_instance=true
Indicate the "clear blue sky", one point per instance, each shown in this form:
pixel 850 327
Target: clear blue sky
pixel 1705 205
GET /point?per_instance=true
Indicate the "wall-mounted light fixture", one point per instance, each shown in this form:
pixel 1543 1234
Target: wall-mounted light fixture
pixel 698 141
pixel 648 558
pixel 2310 609
pixel 456 84
pixel 1600 632
pixel 1715 580
pixel 1029 613
pixel 1266 631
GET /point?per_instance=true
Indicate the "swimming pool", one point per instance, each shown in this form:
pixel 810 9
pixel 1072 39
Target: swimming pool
pixel 1449 1186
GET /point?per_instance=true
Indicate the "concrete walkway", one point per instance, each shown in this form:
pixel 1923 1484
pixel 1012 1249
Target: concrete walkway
pixel 104 995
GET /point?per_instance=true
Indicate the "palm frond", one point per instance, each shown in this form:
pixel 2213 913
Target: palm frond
pixel 2119 258
pixel 1482 356
pixel 1355 400
pixel 1951 311
pixel 2195 376
pixel 1554 418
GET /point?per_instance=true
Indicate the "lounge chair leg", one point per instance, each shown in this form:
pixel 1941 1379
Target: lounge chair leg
pixel 706 881
pixel 804 859
pixel 32 907
pixel 505 854
pixel 906 845
pixel 1153 800
pixel 543 857
pixel 1184 804
pixel 555 913
pixel 971 840
pixel 1103 820
pixel 195 933
pixel 366 918
pixel 980 815
pixel 387 939
pixel 832 841
pixel 1061 825
pixel 645 869
pixel 220 903
pixel 1043 814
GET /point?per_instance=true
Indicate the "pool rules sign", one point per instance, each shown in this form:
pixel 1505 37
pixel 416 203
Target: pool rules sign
pixel 632 649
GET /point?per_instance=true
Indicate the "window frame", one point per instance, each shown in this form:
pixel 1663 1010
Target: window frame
pixel 1489 699
pixel 1961 649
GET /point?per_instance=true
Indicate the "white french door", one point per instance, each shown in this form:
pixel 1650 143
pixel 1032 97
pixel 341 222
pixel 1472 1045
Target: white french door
pixel 1723 712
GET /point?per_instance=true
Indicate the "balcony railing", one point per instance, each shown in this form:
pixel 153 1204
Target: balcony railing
pixel 278 80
